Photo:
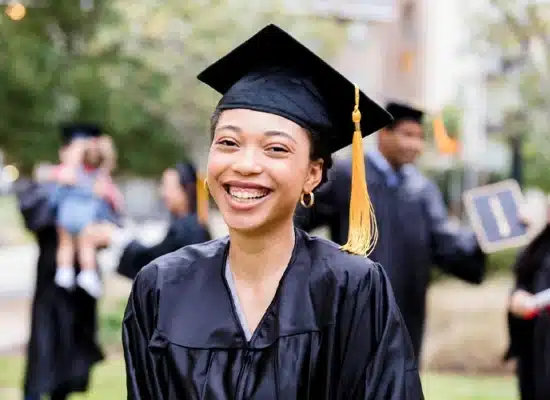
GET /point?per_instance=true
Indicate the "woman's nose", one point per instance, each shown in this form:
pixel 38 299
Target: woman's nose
pixel 247 163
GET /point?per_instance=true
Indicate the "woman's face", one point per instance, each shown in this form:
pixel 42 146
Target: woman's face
pixel 172 193
pixel 258 167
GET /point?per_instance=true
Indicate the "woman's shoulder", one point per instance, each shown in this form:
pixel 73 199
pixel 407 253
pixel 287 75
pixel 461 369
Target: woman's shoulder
pixel 339 263
pixel 345 279
pixel 183 262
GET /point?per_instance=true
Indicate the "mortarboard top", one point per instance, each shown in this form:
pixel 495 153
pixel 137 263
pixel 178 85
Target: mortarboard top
pixel 79 130
pixel 274 73
pixel 494 214
pixel 404 112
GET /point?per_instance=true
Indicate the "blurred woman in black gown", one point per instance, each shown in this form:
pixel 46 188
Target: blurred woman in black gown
pixel 530 333
pixel 62 346
pixel 181 194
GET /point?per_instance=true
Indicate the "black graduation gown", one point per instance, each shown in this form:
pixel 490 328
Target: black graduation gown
pixel 63 345
pixel 332 331
pixel 414 235
pixel 530 339
pixel 182 232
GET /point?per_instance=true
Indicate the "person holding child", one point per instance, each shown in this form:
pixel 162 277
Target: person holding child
pixel 79 208
pixel 63 346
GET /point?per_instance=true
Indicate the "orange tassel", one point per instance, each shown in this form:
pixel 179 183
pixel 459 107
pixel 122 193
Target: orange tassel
pixel 363 231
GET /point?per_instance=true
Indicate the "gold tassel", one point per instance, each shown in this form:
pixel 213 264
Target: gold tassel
pixel 363 231
pixel 202 201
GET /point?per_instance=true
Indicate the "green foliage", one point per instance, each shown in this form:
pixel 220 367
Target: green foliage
pixel 537 163
pixel 452 118
pixel 501 262
pixel 58 64
pixel 190 38
pixel 129 66
pixel 518 33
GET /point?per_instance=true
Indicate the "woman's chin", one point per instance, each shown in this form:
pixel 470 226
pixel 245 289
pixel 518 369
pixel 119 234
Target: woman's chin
pixel 257 218
pixel 244 224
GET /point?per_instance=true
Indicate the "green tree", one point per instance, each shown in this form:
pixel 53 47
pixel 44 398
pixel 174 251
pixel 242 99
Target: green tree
pixel 130 66
pixel 518 33
pixel 189 35
pixel 61 63
pixel 452 118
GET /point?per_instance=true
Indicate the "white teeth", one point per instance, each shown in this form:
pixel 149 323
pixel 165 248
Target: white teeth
pixel 247 194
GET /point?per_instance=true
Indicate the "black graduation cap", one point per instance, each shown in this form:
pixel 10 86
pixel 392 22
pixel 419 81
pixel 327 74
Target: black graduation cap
pixel 404 112
pixel 79 130
pixel 494 214
pixel 273 72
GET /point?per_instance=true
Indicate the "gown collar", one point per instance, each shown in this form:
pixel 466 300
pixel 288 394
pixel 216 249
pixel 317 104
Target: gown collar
pixel 196 309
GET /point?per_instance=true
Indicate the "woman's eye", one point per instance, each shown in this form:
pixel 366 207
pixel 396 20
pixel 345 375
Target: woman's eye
pixel 226 142
pixel 278 149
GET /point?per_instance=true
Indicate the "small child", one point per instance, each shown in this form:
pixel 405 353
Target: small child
pixel 79 209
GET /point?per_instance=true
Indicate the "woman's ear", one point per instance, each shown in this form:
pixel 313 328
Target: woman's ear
pixel 314 177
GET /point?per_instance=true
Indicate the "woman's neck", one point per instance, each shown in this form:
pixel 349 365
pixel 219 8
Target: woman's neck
pixel 256 257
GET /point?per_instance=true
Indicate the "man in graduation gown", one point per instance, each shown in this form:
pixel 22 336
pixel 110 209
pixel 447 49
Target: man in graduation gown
pixel 62 346
pixel 414 230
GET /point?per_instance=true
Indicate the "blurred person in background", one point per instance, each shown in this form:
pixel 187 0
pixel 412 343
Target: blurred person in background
pixel 414 229
pixel 80 210
pixel 63 345
pixel 181 194
pixel 529 329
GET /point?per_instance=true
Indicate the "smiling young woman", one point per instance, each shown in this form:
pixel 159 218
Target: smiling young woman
pixel 270 312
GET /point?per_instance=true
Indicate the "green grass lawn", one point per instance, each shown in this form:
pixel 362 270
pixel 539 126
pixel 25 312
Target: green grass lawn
pixel 108 383
pixel 107 380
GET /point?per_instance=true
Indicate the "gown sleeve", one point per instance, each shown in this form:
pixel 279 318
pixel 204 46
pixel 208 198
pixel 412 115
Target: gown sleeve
pixel 454 250
pixel 35 204
pixel 142 366
pixel 325 208
pixel 135 255
pixel 378 357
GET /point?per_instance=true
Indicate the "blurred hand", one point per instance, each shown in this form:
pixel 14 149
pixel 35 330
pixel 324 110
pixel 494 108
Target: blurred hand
pixel 522 304
pixel 43 172
pixel 66 176
pixel 101 187
pixel 524 215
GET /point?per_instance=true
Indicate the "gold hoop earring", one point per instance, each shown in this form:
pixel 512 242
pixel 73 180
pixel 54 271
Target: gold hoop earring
pixel 311 201
pixel 205 184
